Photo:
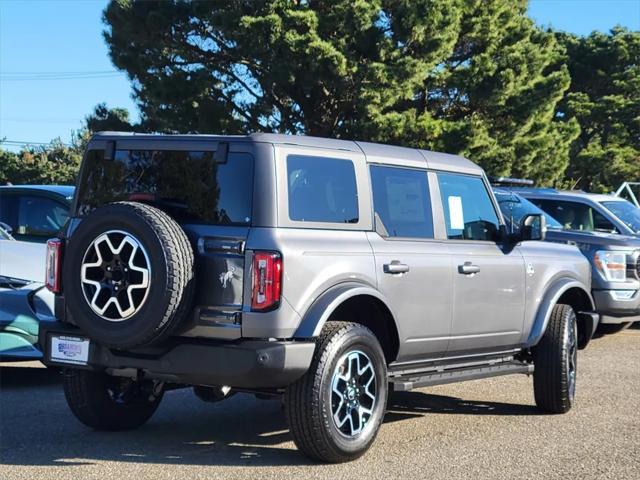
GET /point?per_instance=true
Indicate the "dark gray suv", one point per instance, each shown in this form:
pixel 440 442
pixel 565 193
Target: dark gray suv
pixel 587 221
pixel 321 270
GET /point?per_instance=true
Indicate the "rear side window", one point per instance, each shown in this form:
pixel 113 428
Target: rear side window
pixel 468 209
pixel 576 216
pixel 189 185
pixel 401 202
pixel 39 218
pixel 322 189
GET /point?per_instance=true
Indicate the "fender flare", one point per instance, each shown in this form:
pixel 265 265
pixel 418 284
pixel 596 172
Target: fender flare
pixel 551 297
pixel 321 309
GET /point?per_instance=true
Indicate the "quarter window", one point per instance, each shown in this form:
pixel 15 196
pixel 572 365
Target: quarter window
pixel 39 218
pixel 322 189
pixel 401 202
pixel 468 209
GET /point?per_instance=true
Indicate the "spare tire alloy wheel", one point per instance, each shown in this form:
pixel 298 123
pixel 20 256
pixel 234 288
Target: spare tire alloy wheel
pixel 115 275
pixel 128 275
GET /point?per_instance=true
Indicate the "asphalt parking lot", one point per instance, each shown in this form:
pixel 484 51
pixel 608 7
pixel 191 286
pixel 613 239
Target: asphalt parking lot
pixel 482 429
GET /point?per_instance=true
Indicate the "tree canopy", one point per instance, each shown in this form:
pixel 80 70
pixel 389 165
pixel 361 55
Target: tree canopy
pixel 57 162
pixel 475 77
pixel 470 76
pixel 605 99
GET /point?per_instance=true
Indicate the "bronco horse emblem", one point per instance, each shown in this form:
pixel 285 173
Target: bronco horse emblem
pixel 227 276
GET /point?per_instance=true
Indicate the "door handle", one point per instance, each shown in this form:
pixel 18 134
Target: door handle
pixel 395 267
pixel 468 268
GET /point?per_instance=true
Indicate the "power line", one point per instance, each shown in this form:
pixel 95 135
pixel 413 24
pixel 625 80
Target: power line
pixel 70 75
pixel 63 121
pixel 19 143
pixel 79 77
pixel 69 72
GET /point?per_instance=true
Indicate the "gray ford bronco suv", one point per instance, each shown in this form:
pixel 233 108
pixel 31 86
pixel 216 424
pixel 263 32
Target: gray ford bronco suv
pixel 329 272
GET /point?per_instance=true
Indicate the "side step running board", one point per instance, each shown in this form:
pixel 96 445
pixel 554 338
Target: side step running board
pixel 409 382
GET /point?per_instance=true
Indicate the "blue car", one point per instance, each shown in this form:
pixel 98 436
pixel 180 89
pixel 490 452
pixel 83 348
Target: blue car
pixel 29 215
pixel 22 308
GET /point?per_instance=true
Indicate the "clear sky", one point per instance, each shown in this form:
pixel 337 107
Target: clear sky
pixel 54 66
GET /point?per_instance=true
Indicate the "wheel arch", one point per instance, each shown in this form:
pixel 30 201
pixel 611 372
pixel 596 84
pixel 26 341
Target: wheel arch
pixel 355 302
pixel 571 292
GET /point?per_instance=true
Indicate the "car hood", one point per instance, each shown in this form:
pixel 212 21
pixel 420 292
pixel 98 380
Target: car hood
pixel 594 238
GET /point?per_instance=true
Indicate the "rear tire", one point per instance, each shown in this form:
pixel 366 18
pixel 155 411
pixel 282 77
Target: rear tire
pixel 555 362
pixel 335 410
pixel 104 402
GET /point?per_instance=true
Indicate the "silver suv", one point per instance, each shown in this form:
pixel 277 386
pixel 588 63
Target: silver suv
pixel 325 271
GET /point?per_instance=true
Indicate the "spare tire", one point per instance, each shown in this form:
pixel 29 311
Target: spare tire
pixel 128 275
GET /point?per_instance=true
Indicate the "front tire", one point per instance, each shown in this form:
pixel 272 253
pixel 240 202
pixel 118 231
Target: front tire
pixel 104 402
pixel 335 410
pixel 555 362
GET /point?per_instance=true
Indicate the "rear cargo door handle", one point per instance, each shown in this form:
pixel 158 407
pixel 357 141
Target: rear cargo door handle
pixel 395 267
pixel 468 268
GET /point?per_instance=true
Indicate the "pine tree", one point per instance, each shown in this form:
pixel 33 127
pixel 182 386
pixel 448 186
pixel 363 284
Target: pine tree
pixel 605 98
pixel 475 77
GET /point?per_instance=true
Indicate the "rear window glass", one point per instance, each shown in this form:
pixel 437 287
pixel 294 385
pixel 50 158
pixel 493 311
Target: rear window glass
pixel 401 202
pixel 322 189
pixel 189 185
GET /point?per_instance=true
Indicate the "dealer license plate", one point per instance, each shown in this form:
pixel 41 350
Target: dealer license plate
pixel 66 349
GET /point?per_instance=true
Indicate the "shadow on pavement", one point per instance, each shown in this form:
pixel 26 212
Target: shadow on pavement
pixel 241 431
pixel 410 404
pixel 13 377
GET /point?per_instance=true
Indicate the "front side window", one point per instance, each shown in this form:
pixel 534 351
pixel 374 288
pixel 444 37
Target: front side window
pixel 401 202
pixel 514 208
pixel 189 185
pixel 322 189
pixel 468 209
pixel 39 217
pixel 576 216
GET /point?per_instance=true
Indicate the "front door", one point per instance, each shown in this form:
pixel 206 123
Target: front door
pixel 488 279
pixel 413 270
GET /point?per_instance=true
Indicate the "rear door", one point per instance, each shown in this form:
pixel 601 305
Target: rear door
pixel 413 269
pixel 488 279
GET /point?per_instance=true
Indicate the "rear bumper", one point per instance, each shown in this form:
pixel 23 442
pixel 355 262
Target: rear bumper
pixel 250 364
pixel 614 308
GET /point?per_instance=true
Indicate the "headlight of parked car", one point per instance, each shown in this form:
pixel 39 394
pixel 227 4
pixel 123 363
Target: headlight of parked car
pixel 612 265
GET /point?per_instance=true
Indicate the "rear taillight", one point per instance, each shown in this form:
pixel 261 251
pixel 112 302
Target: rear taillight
pixel 52 269
pixel 266 281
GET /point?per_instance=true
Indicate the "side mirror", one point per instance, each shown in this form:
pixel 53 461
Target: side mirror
pixel 533 227
pixel 6 228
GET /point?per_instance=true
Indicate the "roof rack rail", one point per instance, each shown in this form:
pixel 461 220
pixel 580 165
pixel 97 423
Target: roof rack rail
pixel 511 181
